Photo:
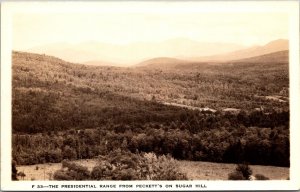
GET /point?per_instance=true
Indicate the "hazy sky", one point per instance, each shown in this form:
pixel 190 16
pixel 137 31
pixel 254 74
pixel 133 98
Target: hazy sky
pixel 122 27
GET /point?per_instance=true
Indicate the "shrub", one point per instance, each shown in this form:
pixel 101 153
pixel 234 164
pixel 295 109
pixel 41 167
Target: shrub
pixel 61 175
pixel 123 165
pixel 21 174
pixel 50 175
pixel 119 165
pixel 242 172
pixel 236 176
pixel 164 168
pixel 261 177
pixel 72 171
pixel 245 170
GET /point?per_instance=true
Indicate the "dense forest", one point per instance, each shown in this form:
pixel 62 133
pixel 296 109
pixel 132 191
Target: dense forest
pixel 72 111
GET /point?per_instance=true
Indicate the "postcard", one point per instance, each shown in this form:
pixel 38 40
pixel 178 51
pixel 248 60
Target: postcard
pixel 150 95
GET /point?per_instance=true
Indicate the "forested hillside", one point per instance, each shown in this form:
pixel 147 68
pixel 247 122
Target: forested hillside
pixel 72 111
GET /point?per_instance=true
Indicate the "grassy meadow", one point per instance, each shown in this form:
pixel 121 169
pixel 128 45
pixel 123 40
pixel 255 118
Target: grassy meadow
pixel 195 170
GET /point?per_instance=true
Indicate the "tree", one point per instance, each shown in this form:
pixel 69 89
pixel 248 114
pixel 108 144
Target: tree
pixel 21 174
pixel 72 171
pixel 123 165
pixel 234 153
pixel 69 153
pixel 14 171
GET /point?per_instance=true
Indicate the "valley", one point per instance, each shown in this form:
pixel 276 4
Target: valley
pixel 196 112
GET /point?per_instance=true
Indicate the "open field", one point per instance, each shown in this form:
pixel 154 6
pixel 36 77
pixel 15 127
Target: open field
pixel 45 171
pixel 195 170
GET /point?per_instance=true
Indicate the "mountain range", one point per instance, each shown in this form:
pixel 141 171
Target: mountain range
pixel 142 53
pixel 273 46
pixel 171 63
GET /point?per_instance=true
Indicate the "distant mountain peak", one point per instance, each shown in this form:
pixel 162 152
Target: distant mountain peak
pixel 279 44
pixel 130 54
pixel 272 46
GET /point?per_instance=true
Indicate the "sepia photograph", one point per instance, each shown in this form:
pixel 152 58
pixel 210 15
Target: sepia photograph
pixel 149 95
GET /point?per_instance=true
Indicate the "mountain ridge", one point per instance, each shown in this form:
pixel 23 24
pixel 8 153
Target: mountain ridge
pixel 276 57
pixel 272 46
pixel 180 50
pixel 131 54
pixel 167 63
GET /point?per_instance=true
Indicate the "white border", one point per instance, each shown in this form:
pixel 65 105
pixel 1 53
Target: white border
pixel 8 9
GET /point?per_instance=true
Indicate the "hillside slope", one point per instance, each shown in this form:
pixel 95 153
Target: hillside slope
pixel 274 57
pixel 49 93
pixel 62 110
pixel 172 63
pixel 273 46
pixel 162 62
